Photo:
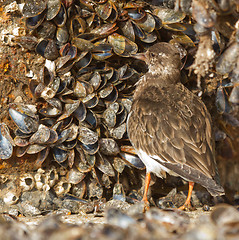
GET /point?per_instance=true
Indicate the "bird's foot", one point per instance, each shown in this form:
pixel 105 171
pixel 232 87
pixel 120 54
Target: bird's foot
pixel 187 207
pixel 146 204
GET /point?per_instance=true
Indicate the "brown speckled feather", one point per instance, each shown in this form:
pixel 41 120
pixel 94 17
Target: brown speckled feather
pixel 169 122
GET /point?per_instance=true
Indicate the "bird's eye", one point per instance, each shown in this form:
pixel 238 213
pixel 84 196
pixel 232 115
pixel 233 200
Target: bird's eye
pixel 152 54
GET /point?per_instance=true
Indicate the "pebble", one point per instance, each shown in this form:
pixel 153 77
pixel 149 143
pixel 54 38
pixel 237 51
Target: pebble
pixel 206 207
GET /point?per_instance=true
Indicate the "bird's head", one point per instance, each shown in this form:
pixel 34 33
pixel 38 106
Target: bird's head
pixel 162 59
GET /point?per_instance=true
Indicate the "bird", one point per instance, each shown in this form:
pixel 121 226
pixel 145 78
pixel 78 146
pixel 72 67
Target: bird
pixel 170 127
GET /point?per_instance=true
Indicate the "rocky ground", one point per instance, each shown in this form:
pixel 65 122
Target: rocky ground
pixel 123 221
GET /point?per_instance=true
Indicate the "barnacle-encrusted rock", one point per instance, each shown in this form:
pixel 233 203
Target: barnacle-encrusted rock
pixel 76 131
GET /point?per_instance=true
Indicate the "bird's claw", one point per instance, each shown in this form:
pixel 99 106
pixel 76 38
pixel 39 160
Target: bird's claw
pixel 146 204
pixel 187 207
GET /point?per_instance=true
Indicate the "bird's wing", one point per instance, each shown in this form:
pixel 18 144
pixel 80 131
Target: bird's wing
pixel 174 125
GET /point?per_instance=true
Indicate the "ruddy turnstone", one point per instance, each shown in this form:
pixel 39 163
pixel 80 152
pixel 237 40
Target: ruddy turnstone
pixel 170 127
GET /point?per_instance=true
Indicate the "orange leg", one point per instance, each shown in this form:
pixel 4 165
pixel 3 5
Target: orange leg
pixel 146 188
pixel 187 204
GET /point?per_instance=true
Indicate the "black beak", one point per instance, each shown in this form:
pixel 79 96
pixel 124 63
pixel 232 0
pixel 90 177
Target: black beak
pixel 141 56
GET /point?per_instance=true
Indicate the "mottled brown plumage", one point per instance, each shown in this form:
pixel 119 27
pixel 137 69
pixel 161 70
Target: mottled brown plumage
pixel 169 126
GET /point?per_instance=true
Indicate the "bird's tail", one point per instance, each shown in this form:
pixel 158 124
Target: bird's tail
pixel 190 174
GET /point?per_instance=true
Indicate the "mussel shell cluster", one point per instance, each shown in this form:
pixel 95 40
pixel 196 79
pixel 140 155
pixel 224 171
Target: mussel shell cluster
pixel 84 93
pixel 75 122
pixel 101 28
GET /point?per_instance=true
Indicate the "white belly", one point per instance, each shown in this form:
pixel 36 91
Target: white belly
pixel 153 165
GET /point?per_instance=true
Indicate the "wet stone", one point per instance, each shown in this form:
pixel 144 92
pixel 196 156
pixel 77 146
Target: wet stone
pixel 116 217
pixel 117 204
pixel 34 202
pixel 206 207
pixel 76 207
